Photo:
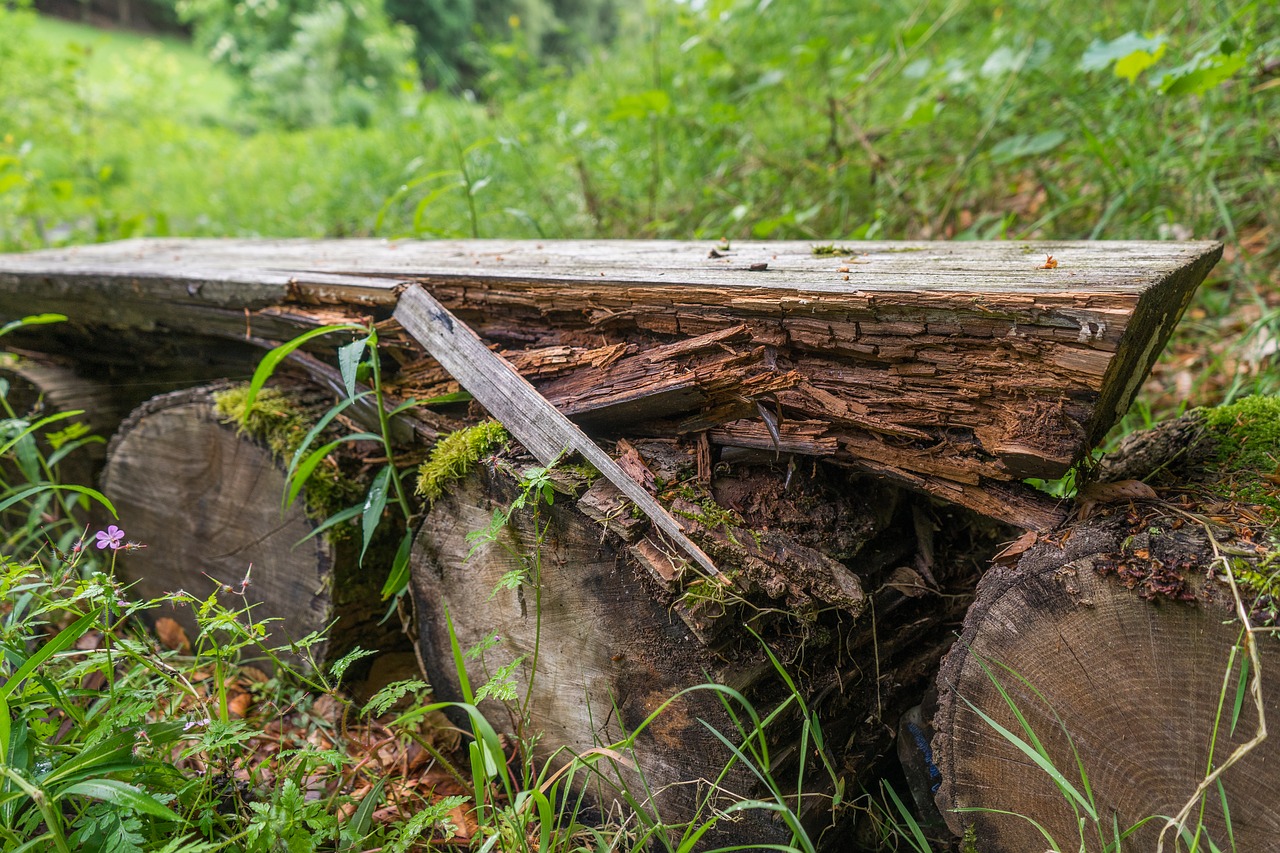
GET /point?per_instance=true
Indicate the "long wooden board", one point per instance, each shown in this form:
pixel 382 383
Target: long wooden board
pixel 959 368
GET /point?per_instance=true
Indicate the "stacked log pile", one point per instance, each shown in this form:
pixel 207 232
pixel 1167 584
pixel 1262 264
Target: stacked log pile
pixel 802 451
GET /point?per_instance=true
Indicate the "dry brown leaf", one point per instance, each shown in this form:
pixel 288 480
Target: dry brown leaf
pixel 1092 494
pixel 172 635
pixel 238 705
pixel 907 581
pixel 252 675
pixel 328 709
pixel 1015 549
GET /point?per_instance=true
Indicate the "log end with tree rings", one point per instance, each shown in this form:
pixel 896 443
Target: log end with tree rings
pixel 1107 655
pixel 206 499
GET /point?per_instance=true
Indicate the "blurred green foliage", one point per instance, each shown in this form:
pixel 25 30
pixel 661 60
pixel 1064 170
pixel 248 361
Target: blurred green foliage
pixel 307 62
pixel 810 119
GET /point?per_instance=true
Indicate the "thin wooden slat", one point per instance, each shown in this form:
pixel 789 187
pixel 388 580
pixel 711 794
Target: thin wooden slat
pixel 525 413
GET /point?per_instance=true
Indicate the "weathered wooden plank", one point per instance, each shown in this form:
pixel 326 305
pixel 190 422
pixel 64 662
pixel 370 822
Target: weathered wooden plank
pixel 525 413
pixel 968 366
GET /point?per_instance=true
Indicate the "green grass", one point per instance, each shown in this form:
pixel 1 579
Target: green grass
pixel 126 66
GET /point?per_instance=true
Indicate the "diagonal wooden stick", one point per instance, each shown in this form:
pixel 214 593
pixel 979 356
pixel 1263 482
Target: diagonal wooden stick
pixel 529 416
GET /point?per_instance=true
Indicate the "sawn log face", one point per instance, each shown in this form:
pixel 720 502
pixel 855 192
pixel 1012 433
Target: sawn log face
pixel 205 499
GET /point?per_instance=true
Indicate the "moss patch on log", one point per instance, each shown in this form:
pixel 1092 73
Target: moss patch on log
pixel 1248 438
pixel 281 420
pixel 455 454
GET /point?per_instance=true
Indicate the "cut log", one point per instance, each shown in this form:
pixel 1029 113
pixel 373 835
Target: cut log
pixel 610 623
pixel 959 369
pixel 1120 642
pixel 206 499
pixel 39 388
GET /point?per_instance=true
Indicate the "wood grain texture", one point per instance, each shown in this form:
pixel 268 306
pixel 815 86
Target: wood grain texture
pixel 206 501
pixel 1135 683
pixel 607 655
pixel 959 368
pixel 815 558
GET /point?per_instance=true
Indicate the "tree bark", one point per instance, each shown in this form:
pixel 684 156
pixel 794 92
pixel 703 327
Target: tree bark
pixel 206 499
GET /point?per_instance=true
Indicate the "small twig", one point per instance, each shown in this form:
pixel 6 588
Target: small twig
pixel 1255 690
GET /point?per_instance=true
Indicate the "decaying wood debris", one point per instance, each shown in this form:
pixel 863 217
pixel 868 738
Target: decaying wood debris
pixel 959 369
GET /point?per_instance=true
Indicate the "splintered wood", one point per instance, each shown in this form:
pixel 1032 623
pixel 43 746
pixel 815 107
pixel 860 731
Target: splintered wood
pixel 956 368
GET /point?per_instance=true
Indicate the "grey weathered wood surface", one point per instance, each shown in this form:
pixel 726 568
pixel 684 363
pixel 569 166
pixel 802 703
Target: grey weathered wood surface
pixel 959 368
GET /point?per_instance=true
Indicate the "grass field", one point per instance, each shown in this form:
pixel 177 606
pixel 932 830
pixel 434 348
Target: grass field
pixel 123 66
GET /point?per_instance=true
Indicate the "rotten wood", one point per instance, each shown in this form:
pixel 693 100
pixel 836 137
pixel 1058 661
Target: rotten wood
pixel 958 368
pixel 526 414
pixel 608 627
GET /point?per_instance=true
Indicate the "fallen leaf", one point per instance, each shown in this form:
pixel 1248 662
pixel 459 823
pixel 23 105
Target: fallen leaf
pixel 1092 494
pixel 1015 549
pixel 907 581
pixel 239 704
pixel 253 675
pixel 172 635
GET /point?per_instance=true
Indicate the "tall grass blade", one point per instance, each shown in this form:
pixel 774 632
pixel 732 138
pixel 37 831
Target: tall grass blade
pixel 64 640
pixel 917 840
pixel 1040 760
pixel 272 359
pixel 54 487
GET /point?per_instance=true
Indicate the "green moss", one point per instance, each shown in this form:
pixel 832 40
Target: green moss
pixel 1248 437
pixel 832 249
pixel 1248 433
pixel 274 418
pixel 453 456
pixel 278 421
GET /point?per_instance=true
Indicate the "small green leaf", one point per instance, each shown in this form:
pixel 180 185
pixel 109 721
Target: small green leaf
pixel 1202 74
pixel 374 503
pixel 349 356
pixel 272 359
pixel 308 466
pixel 33 320
pixel 315 431
pixel 1129 67
pixel 1101 55
pixel 123 795
pixel 332 521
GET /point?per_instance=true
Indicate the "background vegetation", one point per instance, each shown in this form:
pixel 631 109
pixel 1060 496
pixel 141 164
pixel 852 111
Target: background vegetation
pixel 743 119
